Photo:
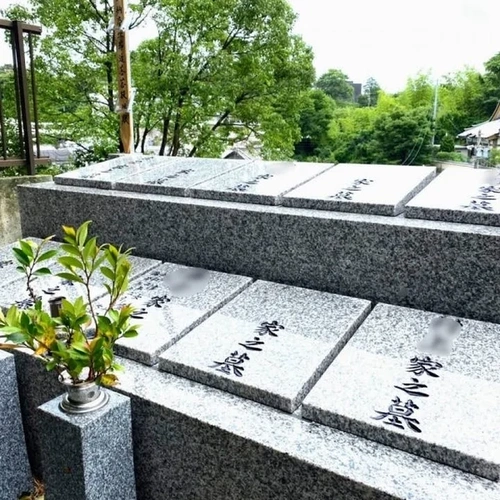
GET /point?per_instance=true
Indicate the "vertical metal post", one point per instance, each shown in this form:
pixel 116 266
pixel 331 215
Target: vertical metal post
pixel 15 66
pixel 2 124
pixel 24 94
pixel 33 95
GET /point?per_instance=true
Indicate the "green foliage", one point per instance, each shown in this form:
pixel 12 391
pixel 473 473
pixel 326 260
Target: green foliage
pixel 243 75
pixel 495 157
pixel 315 119
pixel 334 84
pixel 447 144
pixel 370 93
pixel 62 342
pixel 448 156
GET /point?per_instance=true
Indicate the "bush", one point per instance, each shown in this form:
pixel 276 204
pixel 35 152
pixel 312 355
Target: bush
pixel 447 144
pixel 446 156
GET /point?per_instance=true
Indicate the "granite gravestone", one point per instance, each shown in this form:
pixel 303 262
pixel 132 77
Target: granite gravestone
pixel 170 301
pixel 420 382
pixel 269 344
pixel 89 456
pixel 370 189
pixel 175 176
pixel 49 287
pixel 104 175
pixel 259 182
pixel 466 195
pixel 15 474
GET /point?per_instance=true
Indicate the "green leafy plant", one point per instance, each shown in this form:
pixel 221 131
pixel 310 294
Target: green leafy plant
pixel 78 343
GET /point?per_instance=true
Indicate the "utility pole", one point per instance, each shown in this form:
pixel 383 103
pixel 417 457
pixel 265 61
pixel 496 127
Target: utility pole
pixel 125 96
pixel 434 113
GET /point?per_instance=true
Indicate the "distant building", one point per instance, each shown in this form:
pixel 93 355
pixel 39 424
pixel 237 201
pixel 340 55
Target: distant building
pixel 358 89
pixel 482 138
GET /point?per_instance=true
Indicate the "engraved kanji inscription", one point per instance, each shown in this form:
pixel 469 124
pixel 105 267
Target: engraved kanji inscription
pixel 399 414
pixel 232 364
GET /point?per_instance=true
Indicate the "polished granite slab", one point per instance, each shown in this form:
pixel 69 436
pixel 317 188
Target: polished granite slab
pixel 14 289
pixel 174 176
pixel 262 182
pixel 370 189
pixel 170 301
pixel 421 382
pixel 104 175
pixel 270 344
pixel 465 195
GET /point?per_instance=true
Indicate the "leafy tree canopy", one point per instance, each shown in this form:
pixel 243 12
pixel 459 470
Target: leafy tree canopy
pixel 334 83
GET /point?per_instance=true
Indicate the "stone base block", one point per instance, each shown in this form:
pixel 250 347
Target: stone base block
pixel 15 474
pixel 88 457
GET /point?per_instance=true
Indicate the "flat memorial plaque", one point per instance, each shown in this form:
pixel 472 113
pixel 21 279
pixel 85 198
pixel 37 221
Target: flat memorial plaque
pixel 174 177
pixel 421 382
pixel 270 344
pixel 8 264
pixel 170 301
pixel 263 182
pixel 48 287
pixel 466 195
pixel 367 189
pixel 104 175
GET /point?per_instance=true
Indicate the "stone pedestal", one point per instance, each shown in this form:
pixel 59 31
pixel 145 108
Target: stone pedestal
pixel 15 474
pixel 90 456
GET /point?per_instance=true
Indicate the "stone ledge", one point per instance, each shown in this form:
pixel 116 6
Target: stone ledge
pixel 439 266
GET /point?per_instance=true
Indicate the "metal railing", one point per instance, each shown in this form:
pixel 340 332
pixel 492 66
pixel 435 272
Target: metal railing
pixel 26 150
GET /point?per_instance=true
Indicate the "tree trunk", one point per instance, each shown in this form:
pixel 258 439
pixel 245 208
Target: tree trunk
pixel 164 137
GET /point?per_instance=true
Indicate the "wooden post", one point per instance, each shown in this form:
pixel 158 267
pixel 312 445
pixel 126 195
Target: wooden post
pixel 124 78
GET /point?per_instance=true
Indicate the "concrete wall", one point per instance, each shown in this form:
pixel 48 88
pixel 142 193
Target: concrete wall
pixel 10 223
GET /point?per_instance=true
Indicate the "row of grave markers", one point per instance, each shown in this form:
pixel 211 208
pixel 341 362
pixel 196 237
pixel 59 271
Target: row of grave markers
pixel 457 195
pixel 418 381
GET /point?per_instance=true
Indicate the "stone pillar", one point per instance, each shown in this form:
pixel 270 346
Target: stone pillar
pixel 89 456
pixel 15 474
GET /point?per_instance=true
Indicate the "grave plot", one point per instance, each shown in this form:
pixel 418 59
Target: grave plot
pixel 104 175
pixel 8 264
pixel 270 344
pixel 259 182
pixel 49 287
pixel 173 177
pixel 368 189
pixel 421 382
pixel 465 195
pixel 170 301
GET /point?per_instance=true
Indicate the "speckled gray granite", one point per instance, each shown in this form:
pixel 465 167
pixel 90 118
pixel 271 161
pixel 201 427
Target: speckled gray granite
pixel 8 264
pixel 47 287
pixel 369 189
pixel 88 457
pixel 177 174
pixel 170 301
pixel 15 473
pixel 259 182
pixel 193 442
pixel 434 392
pixel 36 386
pixel 437 266
pixel 104 175
pixel 270 344
pixel 465 195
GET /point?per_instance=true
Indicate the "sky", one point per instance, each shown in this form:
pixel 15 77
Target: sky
pixel 390 40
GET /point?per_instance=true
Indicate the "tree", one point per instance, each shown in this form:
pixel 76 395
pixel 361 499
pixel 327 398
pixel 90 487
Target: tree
pixel 315 119
pixel 492 84
pixel 403 136
pixel 447 144
pixel 371 90
pixel 335 84
pixel 220 72
pixel 76 66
